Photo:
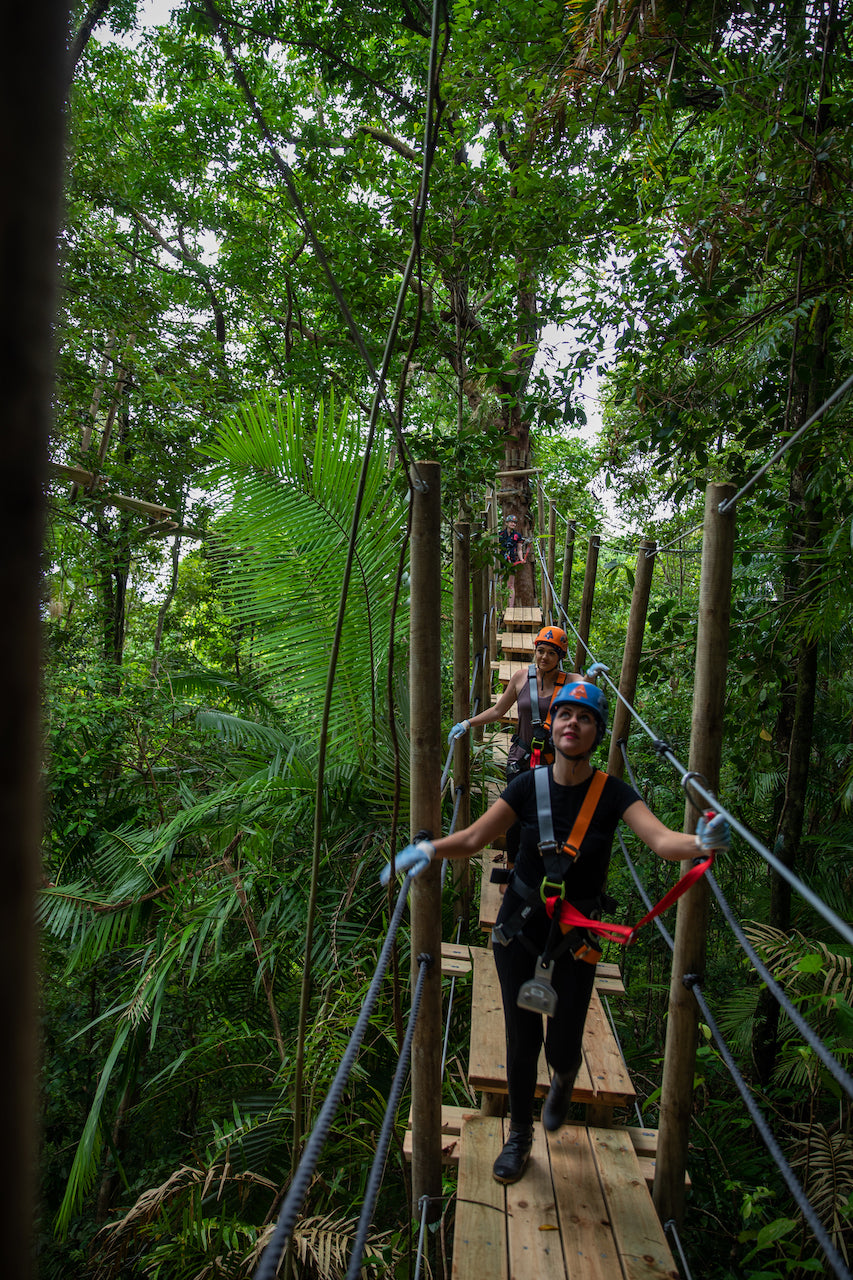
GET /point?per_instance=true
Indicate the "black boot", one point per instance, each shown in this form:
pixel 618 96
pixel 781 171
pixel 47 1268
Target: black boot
pixel 512 1161
pixel 556 1106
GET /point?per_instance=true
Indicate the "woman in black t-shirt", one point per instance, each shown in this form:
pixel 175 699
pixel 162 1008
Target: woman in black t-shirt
pixel 578 723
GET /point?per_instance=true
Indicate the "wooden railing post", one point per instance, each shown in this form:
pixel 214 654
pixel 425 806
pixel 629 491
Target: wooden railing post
pixel 540 543
pixel 493 526
pixel 461 702
pixel 425 814
pixel 581 662
pixel 706 737
pixel 632 653
pixel 552 537
pixel 568 560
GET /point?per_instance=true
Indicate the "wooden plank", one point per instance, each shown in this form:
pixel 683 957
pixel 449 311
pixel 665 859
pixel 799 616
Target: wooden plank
pixel 637 1229
pixel 589 1248
pixel 507 668
pixel 479 1238
pixel 645 1140
pixel 523 616
pixel 610 1078
pixel 517 642
pixel 533 1230
pixel 487 1052
pixel 455 958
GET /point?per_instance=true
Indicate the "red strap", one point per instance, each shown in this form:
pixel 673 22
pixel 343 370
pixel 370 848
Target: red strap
pixel 570 917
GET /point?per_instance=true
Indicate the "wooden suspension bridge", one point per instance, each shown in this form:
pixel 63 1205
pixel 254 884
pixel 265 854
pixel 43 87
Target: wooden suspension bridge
pixel 584 1209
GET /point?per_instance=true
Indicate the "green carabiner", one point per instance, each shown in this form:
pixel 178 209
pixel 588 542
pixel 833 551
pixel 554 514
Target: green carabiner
pixel 559 885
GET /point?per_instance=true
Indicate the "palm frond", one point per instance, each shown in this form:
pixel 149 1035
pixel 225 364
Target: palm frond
pixel 824 1159
pixel 289 486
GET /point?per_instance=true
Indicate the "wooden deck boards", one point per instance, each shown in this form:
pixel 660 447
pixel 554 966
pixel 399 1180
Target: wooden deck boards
pixel 644 1141
pixel 603 1079
pixel 581 1211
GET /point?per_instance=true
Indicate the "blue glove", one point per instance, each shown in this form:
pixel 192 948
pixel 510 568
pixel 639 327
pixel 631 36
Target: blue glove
pixel 712 832
pixel 459 730
pixel 414 858
pixel 595 669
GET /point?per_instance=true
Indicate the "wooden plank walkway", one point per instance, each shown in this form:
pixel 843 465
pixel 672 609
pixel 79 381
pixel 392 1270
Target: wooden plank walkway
pixel 523 618
pixel 602 1082
pixel 582 1211
pixel 644 1141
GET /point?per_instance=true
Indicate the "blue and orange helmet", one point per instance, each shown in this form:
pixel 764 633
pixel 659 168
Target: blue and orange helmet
pixel 584 694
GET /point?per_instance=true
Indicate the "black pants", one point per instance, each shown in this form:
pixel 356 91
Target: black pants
pixel 573 981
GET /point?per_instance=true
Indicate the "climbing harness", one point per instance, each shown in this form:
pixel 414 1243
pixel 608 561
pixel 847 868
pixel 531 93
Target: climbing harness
pixel 575 927
pixel 540 738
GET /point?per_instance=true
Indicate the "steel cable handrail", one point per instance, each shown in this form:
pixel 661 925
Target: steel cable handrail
pixel 268 1265
pixel 377 1169
pixel 768 1138
pixel 809 1035
pixel 812 1039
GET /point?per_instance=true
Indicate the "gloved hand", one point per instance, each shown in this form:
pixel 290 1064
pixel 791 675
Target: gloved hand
pixel 414 858
pixel 459 730
pixel 595 669
pixel 712 832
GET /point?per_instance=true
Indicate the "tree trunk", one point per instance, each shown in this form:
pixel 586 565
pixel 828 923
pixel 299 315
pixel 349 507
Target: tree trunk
pixel 32 76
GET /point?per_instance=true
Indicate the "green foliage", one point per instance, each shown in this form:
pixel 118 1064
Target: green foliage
pixel 289 490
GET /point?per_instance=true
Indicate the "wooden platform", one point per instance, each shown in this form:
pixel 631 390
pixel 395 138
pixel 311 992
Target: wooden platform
pixel 602 1082
pixel 523 618
pixel 518 643
pixel 644 1141
pixel 456 959
pixel 582 1211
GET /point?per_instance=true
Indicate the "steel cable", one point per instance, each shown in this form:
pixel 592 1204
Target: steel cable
pixel 268 1265
pixel 768 1138
pixel 377 1169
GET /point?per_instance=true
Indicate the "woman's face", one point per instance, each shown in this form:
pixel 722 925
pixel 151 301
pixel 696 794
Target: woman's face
pixel 546 657
pixel 573 729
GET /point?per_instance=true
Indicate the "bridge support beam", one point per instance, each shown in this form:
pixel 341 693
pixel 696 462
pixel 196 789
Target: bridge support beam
pixel 706 737
pixel 632 653
pixel 425 814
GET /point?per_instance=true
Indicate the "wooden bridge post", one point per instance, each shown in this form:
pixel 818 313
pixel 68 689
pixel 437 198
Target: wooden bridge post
pixel 461 703
pixel 568 559
pixel 425 814
pixel 541 546
pixel 706 736
pixel 493 526
pixel 632 653
pixel 480 630
pixel 586 601
pixel 552 538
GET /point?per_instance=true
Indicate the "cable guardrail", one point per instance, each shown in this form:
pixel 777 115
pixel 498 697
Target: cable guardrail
pixel 269 1262
pixel 812 1039
pixel 808 1033
pixel 672 1228
pixel 377 1169
pixel 817 1228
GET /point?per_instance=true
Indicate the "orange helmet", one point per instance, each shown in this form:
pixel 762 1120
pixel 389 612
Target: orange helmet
pixel 554 636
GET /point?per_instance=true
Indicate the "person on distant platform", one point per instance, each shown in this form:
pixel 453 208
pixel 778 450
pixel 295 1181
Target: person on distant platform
pixel 568 812
pixel 512 552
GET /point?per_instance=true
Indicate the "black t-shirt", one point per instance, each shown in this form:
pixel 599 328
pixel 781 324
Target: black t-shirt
pixel 587 876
